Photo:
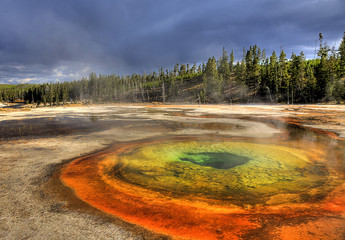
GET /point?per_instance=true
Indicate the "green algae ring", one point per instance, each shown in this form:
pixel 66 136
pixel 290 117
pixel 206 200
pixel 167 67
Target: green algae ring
pixel 241 173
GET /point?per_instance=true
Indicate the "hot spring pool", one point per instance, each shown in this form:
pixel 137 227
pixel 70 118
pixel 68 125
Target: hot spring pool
pixel 214 186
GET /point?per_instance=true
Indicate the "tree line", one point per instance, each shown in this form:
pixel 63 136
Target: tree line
pixel 254 78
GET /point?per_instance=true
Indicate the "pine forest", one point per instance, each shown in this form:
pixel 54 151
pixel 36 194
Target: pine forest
pixel 254 78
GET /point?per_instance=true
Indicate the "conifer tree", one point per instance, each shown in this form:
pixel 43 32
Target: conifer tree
pixel 341 68
pixel 311 81
pixel 273 73
pixel 193 70
pixel 162 79
pixel 183 70
pixel 231 61
pixel 210 78
pixel 323 68
pixel 224 69
pixel 284 77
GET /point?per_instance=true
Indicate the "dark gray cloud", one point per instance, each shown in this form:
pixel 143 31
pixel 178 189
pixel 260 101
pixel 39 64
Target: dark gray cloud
pixel 64 40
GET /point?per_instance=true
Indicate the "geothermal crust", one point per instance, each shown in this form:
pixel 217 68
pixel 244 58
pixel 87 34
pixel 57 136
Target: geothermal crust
pixel 33 206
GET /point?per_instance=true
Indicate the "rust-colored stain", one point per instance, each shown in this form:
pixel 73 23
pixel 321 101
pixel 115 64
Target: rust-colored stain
pixel 148 209
pixel 135 182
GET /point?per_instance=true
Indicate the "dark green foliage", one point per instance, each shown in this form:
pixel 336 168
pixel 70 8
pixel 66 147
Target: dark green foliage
pixel 223 68
pixel 254 78
pixel 341 65
pixel 212 81
pixel 253 70
pixel 231 61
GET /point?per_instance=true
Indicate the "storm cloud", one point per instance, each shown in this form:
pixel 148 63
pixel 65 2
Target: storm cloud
pixel 43 41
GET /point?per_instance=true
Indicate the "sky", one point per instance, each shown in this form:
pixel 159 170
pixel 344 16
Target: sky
pixel 64 40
